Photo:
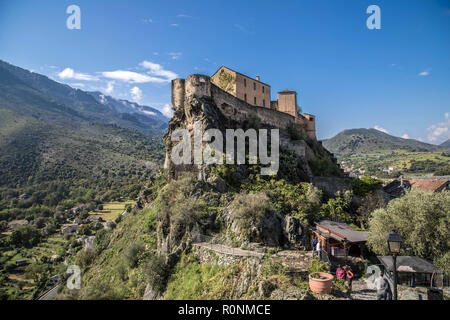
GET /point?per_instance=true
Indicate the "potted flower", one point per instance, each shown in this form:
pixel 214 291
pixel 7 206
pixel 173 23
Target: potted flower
pixel 320 281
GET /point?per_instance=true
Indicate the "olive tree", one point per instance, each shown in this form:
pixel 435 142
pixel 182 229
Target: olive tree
pixel 421 219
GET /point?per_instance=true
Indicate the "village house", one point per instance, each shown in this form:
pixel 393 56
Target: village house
pixel 77 208
pixel 396 188
pixel 69 228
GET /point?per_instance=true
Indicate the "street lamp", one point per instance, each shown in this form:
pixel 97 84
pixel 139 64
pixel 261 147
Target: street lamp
pixel 394 243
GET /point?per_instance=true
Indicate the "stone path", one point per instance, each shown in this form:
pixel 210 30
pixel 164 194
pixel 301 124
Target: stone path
pixel 361 292
pixel 295 260
pixel 220 248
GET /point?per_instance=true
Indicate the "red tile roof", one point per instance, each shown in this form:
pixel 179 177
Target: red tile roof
pixel 428 185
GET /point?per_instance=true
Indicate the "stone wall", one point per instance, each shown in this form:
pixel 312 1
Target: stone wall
pixel 234 108
pixel 330 184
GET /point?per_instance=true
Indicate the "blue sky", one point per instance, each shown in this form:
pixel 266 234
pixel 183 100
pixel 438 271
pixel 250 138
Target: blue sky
pixel 396 79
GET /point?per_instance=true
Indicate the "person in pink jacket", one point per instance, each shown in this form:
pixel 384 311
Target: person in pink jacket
pixel 340 273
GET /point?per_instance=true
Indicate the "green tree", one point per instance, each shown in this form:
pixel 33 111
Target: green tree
pixel 370 203
pixel 421 219
pixel 365 185
pixel 336 208
pixel 26 236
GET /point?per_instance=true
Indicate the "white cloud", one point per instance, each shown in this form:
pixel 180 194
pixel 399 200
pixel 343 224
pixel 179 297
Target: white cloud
pixel 69 73
pixel 440 132
pixel 183 16
pixel 147 20
pixel 136 93
pixel 405 136
pixel 110 87
pixel 131 77
pixel 174 25
pixel 167 111
pixel 158 70
pixel 81 85
pixel 175 55
pixel 425 73
pixel 380 129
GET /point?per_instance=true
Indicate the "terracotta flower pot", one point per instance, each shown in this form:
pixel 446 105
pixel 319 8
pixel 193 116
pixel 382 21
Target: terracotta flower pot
pixel 322 284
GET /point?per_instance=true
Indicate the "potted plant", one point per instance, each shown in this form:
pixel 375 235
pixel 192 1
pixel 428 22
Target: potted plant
pixel 320 281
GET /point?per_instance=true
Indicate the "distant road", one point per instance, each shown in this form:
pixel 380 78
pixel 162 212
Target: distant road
pixel 50 294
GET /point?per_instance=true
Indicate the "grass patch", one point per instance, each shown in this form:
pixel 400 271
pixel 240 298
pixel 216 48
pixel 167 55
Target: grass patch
pixel 112 210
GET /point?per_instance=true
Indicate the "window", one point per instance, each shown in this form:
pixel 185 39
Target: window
pixel 254 85
pixel 262 88
pixel 264 102
pixel 254 100
pixel 245 97
pixel 245 82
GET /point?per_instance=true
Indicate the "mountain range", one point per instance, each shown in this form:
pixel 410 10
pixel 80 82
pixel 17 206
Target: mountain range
pixel 18 83
pixel 50 131
pixel 360 141
pixel 445 144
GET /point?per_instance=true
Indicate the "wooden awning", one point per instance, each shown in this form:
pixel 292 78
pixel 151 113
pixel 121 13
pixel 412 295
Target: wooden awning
pixel 341 231
pixel 408 264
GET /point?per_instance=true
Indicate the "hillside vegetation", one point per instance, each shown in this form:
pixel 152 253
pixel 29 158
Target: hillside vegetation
pixel 60 148
pixel 373 152
pixel 361 141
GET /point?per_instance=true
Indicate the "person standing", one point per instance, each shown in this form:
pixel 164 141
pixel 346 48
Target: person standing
pixel 318 249
pixel 314 244
pixel 382 286
pixel 349 277
pixel 340 273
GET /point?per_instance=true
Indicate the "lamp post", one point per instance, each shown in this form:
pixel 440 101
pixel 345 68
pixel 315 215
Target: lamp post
pixel 394 243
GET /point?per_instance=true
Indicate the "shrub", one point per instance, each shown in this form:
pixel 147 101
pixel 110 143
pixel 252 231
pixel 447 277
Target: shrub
pixel 295 131
pixel 249 209
pixel 156 272
pixel 26 236
pixel 177 208
pixel 133 254
pixel 84 230
pixel 85 258
pixel 324 167
pixel 365 185
pixel 273 268
pixel 318 266
pixel 101 240
pixel 421 219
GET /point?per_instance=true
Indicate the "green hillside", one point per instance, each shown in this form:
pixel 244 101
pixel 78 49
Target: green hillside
pixel 36 95
pixel 446 144
pixel 372 152
pixel 360 141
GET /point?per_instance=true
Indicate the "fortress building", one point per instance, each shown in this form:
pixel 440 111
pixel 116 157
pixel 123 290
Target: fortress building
pixel 256 93
pixel 231 100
